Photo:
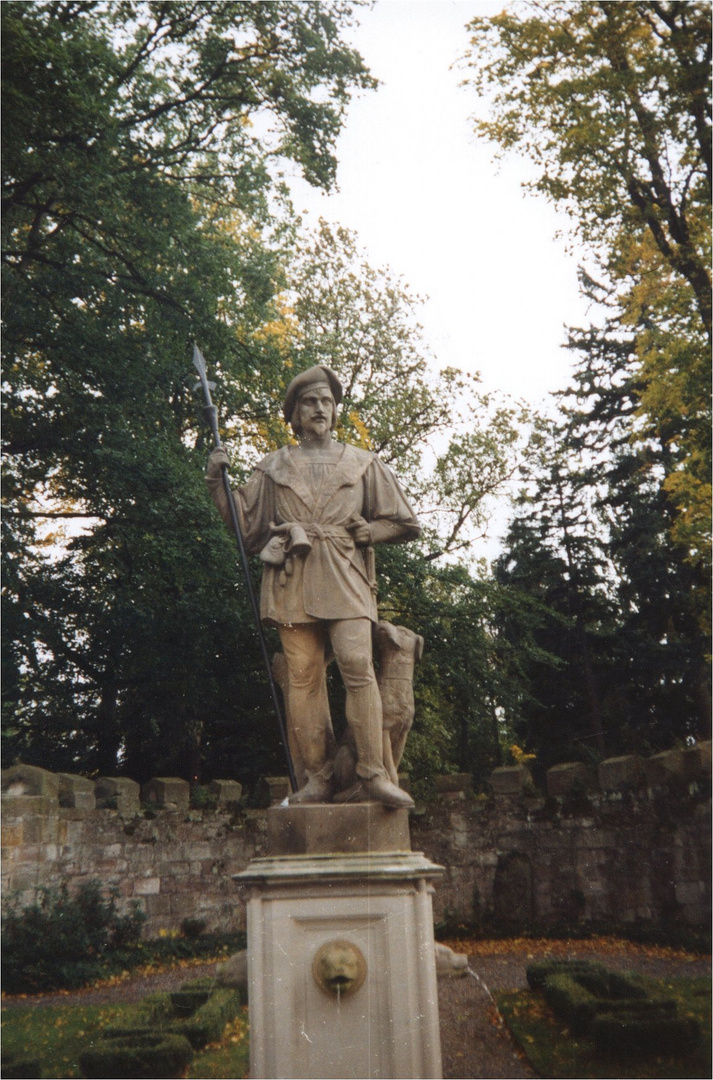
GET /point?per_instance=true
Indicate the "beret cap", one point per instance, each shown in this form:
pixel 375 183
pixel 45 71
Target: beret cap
pixel 317 374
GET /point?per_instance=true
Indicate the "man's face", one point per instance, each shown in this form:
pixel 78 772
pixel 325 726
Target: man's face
pixel 314 412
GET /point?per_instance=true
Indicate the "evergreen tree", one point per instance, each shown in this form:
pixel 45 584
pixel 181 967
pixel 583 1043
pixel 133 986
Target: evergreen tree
pixel 661 644
pixel 554 553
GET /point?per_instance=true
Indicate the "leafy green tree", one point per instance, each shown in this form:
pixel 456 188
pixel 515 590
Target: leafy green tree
pixel 454 446
pixel 611 103
pixel 142 147
pixel 142 213
pixel 471 684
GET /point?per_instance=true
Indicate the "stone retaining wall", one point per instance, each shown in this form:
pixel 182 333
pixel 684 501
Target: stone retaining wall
pixel 630 842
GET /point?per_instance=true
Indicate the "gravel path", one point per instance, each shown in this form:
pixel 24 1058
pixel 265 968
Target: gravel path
pixel 474 1042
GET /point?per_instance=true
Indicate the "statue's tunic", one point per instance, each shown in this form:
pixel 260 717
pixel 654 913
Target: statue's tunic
pixel 333 579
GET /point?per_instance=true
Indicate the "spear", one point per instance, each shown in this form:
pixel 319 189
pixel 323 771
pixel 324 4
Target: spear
pixel 211 414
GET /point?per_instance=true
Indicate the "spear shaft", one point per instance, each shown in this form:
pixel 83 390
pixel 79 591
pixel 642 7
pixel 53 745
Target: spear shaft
pixel 211 414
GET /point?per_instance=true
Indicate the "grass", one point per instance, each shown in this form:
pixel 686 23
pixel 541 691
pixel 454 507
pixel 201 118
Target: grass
pixel 554 1052
pixel 57 1034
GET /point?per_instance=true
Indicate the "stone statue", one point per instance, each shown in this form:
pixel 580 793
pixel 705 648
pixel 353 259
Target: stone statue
pixel 313 513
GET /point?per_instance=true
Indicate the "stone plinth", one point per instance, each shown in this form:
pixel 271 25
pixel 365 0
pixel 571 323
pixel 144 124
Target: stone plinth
pixel 279 788
pixel 366 901
pixel 697 760
pixel 76 792
pixel 118 793
pixel 620 773
pixel 455 787
pixel 332 829
pixel 562 778
pixel 29 780
pixel 169 792
pixel 226 791
pixel 513 780
pixel 666 768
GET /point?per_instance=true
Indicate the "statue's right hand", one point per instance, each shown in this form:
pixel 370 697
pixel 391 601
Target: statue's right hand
pixel 216 461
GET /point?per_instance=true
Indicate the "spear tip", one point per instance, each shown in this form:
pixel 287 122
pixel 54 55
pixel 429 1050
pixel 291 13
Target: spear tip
pixel 198 360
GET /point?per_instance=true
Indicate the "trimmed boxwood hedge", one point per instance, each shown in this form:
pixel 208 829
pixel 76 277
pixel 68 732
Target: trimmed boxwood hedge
pixel 537 973
pixel 186 1002
pixel 614 1009
pixel 207 1023
pixel 140 1054
pixel 15 1068
pixel 170 1026
pixel 639 1034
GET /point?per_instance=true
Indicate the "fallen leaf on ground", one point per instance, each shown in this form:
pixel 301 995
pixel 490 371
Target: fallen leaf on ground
pixel 532 947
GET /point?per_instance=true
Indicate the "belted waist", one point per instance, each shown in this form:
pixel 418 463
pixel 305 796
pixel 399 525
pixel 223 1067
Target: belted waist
pixel 291 538
pixel 326 532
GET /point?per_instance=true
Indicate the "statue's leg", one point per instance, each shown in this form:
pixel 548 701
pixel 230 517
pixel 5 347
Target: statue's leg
pixel 351 642
pixel 303 645
pixel 279 670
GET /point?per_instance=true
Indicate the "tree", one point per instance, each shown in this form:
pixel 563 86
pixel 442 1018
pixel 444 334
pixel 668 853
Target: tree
pixel 611 102
pixel 555 554
pixel 471 686
pixel 661 643
pixel 591 543
pixel 454 446
pixel 142 146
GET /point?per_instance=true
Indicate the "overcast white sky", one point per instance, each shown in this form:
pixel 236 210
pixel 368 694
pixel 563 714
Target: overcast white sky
pixel 426 198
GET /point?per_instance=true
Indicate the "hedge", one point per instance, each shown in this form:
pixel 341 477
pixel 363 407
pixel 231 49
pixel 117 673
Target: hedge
pixel 140 1054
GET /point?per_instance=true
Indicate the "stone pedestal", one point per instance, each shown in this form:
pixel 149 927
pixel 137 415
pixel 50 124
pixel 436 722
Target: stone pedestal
pixel 341 957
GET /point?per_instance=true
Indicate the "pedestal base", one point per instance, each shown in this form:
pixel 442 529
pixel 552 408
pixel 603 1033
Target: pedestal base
pixel 374 904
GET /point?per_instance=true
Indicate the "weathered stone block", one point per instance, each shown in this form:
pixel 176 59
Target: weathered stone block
pixel 147 886
pixel 454 783
pixel 562 778
pixel 26 878
pixel 336 829
pixel 461 840
pixel 25 806
pixel 621 773
pixel 156 905
pixel 38 815
pixel 665 768
pixel 511 780
pixel 29 780
pixel 690 892
pixel 11 834
pixel 118 793
pixel 279 788
pixel 168 792
pixel 76 792
pixel 226 791
pixel 197 850
pixel 182 905
pixel 697 761
pixel 512 888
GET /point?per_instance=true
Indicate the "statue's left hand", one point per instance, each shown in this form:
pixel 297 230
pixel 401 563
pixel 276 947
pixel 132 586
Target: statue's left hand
pixel 359 528
pixel 216 461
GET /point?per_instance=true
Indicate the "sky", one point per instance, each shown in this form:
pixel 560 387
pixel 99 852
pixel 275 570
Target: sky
pixel 426 198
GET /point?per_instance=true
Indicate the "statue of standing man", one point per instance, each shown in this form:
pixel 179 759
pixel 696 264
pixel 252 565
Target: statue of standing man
pixel 313 512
